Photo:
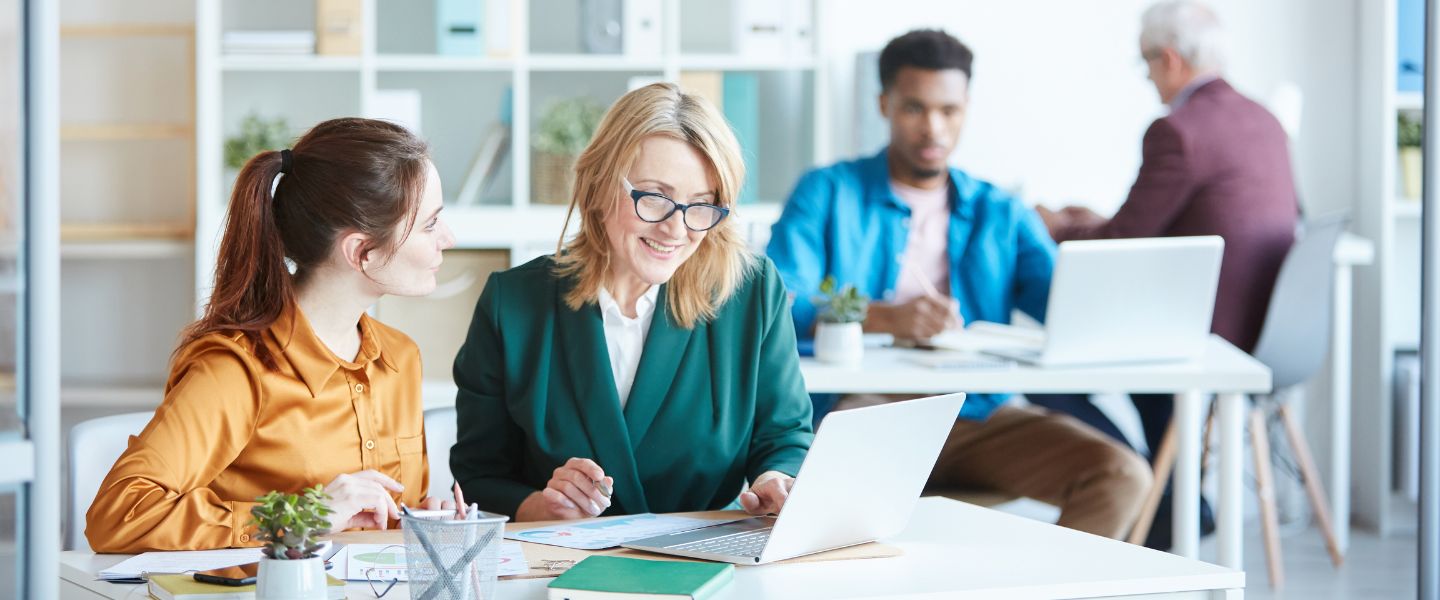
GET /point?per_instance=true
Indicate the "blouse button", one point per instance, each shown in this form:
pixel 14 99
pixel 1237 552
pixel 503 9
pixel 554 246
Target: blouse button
pixel 359 388
pixel 244 538
pixel 369 444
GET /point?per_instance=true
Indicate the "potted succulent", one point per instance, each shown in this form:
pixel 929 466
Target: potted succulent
pixel 288 524
pixel 564 131
pixel 1409 135
pixel 839 338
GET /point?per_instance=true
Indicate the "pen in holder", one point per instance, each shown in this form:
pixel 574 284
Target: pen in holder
pixel 452 559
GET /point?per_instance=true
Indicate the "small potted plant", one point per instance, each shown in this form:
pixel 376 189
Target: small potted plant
pixel 839 338
pixel 1410 135
pixel 256 135
pixel 288 525
pixel 564 131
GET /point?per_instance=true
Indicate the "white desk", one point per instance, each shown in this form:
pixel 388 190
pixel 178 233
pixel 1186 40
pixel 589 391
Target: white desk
pixel 951 549
pixel 1223 370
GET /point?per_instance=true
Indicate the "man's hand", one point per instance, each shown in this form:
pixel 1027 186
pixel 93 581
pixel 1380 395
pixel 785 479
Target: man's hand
pixel 918 319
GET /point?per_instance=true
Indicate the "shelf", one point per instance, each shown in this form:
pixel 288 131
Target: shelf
pixel 97 396
pixel 109 132
pixel 1406 208
pixel 593 62
pixel 435 62
pixel 127 30
pixel 116 232
pixel 730 62
pixel 305 62
pixel 126 249
pixel 1409 101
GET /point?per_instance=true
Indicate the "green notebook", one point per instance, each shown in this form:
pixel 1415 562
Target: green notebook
pixel 606 577
pixel 184 587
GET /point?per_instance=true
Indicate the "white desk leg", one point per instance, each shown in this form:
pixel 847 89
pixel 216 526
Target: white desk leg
pixel 1229 512
pixel 1185 532
pixel 1340 407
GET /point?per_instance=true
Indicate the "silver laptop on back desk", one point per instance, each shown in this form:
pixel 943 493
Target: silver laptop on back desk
pixel 859 483
pixel 1127 301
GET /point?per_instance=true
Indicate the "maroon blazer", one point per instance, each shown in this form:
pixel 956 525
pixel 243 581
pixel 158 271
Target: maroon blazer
pixel 1218 165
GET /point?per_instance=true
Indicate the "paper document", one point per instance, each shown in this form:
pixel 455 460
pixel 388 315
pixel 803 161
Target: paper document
pixel 387 561
pixel 981 335
pixel 160 563
pixel 609 533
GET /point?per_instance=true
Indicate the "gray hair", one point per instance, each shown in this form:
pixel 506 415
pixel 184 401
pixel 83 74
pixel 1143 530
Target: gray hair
pixel 1189 28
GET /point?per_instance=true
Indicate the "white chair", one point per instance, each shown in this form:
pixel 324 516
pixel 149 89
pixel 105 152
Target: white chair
pixel 439 437
pixel 94 447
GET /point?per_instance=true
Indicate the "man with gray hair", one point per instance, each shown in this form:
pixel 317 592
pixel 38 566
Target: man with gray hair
pixel 1218 164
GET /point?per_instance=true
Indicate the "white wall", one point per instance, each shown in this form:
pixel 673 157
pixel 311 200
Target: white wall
pixel 1059 100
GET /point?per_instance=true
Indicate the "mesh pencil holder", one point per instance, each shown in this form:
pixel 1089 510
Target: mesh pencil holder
pixel 452 560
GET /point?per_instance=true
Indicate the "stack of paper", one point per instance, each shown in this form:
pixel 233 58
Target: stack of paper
pixel 135 568
pixel 269 43
pixel 383 562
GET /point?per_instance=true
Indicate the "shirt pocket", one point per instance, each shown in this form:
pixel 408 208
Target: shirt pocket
pixel 412 467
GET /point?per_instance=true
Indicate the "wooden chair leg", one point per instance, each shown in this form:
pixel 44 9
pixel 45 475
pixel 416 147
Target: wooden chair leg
pixel 1311 477
pixel 1265 488
pixel 1164 463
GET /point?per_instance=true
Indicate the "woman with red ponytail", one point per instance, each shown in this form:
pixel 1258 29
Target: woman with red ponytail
pixel 285 382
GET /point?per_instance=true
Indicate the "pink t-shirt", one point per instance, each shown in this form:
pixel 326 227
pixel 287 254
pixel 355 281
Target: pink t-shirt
pixel 925 248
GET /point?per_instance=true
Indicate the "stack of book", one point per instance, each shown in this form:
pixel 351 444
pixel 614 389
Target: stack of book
pixel 269 43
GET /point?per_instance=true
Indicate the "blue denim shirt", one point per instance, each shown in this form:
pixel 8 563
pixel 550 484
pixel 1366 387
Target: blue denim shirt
pixel 844 220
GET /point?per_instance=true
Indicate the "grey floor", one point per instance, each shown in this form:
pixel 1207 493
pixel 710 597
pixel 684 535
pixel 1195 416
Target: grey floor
pixel 1374 567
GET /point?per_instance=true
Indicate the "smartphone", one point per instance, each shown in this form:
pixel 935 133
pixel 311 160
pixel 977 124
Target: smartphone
pixel 236 575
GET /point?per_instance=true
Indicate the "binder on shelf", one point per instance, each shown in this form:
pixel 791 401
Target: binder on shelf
pixel 760 28
pixel 709 85
pixel 338 27
pixel 458 27
pixel 499 27
pixel 641 33
pixel 800 29
pixel 600 26
pixel 740 102
pixel 494 149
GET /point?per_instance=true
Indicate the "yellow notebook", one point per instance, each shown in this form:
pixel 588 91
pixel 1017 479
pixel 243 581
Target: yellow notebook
pixel 184 587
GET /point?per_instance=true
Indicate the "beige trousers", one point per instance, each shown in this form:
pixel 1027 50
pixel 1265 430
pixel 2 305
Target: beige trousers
pixel 1027 451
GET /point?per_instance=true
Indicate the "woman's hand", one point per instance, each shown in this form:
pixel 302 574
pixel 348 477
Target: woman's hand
pixel 433 503
pixel 362 500
pixel 767 494
pixel 571 493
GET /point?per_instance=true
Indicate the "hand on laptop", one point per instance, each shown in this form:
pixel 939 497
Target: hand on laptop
pixel 571 493
pixel 767 495
pixel 919 319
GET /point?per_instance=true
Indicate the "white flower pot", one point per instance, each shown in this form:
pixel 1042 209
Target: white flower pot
pixel 839 343
pixel 291 579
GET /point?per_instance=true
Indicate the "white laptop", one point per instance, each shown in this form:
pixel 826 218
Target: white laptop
pixel 1127 301
pixel 859 483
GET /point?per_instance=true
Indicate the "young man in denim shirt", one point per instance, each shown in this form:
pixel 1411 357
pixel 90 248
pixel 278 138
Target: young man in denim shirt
pixel 937 248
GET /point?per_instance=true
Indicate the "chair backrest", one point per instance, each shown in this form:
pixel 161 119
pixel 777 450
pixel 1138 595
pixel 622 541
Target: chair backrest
pixel 1296 336
pixel 94 447
pixel 439 437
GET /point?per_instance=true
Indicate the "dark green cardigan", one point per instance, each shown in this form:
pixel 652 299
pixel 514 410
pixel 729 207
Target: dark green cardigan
pixel 711 406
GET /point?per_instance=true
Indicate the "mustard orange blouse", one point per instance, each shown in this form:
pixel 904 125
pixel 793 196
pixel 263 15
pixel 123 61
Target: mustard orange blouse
pixel 230 430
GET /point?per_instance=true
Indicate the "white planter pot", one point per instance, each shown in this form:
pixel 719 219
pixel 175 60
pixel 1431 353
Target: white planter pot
pixel 291 579
pixel 839 343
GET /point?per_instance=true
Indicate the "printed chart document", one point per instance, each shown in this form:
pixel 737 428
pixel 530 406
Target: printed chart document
pixel 609 533
pixel 384 562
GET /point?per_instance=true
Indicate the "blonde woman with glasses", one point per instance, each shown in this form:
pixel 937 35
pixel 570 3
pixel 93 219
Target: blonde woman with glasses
pixel 650 364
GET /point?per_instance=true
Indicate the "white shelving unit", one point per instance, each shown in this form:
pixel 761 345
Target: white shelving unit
pixel 127 147
pixel 462 96
pixel 1387 294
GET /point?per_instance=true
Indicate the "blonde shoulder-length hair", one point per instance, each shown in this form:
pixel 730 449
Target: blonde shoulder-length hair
pixel 720 264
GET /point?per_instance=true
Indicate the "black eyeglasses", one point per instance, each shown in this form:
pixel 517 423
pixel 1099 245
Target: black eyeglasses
pixel 654 207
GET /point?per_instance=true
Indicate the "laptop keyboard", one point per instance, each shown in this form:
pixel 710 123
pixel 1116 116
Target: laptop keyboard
pixel 745 543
